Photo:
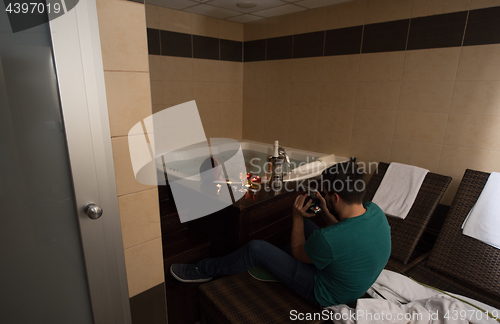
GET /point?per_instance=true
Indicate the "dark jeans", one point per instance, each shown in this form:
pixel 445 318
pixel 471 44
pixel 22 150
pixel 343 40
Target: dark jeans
pixel 297 275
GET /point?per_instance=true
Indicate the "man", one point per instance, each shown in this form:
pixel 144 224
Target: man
pixel 329 266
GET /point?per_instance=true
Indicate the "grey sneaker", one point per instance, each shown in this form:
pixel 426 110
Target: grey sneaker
pixel 187 273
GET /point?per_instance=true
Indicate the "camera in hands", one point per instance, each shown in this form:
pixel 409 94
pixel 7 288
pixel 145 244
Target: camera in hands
pixel 314 208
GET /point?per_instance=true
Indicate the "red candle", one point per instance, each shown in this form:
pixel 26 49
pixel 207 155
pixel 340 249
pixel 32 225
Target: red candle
pixel 255 182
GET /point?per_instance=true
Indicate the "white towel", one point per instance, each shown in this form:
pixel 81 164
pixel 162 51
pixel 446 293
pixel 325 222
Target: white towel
pixel 399 299
pixel 483 221
pixel 399 188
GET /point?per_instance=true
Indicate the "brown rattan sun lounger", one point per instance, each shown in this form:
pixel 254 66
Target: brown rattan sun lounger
pixel 407 232
pixel 459 263
pixel 244 300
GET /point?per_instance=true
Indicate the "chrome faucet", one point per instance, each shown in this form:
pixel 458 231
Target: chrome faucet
pixel 283 155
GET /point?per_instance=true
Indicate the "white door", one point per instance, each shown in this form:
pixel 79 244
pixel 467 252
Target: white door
pixel 58 265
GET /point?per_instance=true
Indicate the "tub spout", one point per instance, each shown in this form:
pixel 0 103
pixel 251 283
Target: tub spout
pixel 284 155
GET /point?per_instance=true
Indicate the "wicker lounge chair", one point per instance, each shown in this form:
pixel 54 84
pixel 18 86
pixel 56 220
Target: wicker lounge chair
pixel 244 300
pixel 459 263
pixel 407 232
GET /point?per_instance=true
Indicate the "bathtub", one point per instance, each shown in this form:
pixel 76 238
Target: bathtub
pixel 185 163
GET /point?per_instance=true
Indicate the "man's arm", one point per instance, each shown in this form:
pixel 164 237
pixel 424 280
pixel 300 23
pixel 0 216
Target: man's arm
pixel 298 239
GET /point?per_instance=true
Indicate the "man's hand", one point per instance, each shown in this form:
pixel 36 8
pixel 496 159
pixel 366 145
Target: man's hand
pixel 299 210
pixel 322 201
pixel 330 219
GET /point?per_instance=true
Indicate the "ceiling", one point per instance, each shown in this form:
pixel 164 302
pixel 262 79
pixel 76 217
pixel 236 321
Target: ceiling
pixel 228 9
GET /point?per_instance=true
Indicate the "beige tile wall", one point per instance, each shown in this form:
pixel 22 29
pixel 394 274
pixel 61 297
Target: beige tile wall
pixel 434 108
pixel 217 86
pixel 122 29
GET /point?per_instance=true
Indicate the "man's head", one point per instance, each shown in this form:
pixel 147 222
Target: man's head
pixel 343 184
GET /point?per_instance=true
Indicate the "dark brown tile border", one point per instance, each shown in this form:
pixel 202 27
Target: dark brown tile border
pixel 231 50
pixel 474 27
pixel 309 45
pixel 206 47
pixel 483 27
pixel 153 41
pixel 254 50
pixel 437 31
pixel 385 37
pixel 279 48
pixel 176 44
pixel 343 41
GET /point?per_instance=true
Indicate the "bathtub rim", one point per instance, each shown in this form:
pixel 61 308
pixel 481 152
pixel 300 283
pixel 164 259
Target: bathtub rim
pixel 267 148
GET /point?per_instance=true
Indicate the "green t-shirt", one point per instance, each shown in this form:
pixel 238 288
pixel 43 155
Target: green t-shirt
pixel 349 256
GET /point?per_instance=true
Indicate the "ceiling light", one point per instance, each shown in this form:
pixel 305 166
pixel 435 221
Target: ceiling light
pixel 246 5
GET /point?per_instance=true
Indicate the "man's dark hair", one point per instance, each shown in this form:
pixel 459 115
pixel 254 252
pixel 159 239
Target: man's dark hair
pixel 346 180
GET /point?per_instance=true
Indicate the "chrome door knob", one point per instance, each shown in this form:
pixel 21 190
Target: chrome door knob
pixel 92 210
